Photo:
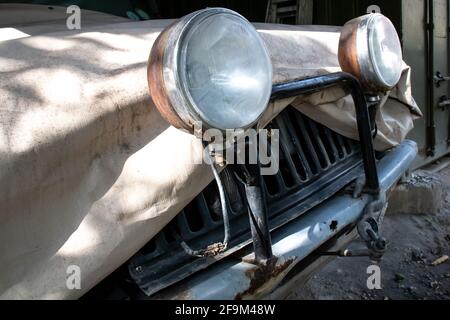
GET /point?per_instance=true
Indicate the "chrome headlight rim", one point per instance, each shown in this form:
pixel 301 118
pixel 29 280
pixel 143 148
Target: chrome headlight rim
pixel 357 56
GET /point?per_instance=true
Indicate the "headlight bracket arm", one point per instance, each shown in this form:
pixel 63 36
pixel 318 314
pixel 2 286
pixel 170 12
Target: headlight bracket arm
pixel 365 131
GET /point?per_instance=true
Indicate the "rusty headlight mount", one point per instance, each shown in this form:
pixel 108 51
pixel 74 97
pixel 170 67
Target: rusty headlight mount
pixel 212 68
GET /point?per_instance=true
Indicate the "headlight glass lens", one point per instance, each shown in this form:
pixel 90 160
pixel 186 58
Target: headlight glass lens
pixel 385 50
pixel 225 71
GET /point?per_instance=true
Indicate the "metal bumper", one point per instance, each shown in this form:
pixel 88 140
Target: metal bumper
pixel 237 279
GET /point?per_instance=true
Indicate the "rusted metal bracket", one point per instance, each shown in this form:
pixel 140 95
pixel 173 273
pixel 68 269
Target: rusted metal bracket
pixel 369 231
pixel 369 228
pixel 349 82
pixel 250 177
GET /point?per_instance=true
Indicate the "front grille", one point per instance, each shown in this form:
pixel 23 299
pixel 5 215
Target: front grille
pixel 315 163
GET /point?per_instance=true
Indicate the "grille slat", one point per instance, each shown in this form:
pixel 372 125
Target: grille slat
pixel 183 226
pixel 331 148
pixel 204 211
pixel 298 147
pixel 290 163
pixel 339 142
pixel 280 186
pixel 349 145
pixel 161 242
pixel 314 163
pixel 320 148
pixel 310 154
pixel 287 149
pixel 280 181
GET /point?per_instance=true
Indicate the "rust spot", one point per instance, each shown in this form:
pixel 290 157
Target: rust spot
pixel 334 225
pixel 182 292
pixel 347 54
pixel 260 275
pixel 156 81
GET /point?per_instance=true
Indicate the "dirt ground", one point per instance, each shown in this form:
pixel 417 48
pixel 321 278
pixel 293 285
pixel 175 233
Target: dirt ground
pixel 407 270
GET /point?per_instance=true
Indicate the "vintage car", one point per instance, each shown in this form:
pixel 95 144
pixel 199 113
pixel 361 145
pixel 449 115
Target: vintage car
pixel 101 196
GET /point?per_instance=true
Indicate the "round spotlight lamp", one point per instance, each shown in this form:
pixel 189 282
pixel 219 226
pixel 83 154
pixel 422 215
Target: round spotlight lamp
pixel 370 49
pixel 211 67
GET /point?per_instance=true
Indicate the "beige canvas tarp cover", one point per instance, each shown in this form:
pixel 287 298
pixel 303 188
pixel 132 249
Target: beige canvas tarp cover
pixel 89 171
